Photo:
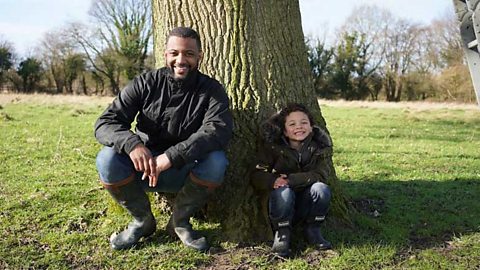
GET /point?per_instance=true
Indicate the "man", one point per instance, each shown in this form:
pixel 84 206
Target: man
pixel 183 126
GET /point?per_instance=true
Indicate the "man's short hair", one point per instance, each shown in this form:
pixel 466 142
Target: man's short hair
pixel 185 32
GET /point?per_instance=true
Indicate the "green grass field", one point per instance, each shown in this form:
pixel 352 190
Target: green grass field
pixel 413 177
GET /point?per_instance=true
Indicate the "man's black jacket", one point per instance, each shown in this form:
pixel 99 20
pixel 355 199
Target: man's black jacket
pixel 185 120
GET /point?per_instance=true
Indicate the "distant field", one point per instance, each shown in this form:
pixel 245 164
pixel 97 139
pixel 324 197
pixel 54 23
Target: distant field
pixel 44 99
pixel 411 171
pixel 6 98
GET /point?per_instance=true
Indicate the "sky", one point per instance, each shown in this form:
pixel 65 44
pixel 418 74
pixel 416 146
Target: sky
pixel 320 17
pixel 24 22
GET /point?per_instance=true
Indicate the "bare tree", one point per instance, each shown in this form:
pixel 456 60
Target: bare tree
pixel 372 23
pixel 124 26
pixel 399 54
pixel 103 59
pixel 54 49
pixel 447 40
pixel 116 44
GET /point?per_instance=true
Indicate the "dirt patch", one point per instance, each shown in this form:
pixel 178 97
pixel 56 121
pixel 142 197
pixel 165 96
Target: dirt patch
pixel 257 257
pixel 237 258
pixel 370 207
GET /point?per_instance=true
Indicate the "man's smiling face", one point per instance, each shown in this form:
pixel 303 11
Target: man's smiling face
pixel 182 56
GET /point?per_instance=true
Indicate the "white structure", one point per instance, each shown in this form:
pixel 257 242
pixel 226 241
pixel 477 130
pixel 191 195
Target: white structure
pixel 468 13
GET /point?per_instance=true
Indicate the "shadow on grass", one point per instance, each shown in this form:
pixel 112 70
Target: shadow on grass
pixel 411 214
pixel 407 215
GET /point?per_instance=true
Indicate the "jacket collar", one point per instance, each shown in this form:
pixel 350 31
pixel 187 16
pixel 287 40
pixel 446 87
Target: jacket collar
pixel 307 140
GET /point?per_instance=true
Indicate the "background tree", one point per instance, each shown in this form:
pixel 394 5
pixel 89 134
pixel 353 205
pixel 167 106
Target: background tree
pixel 371 23
pixel 257 50
pixel 343 66
pixel 6 60
pixel 117 43
pixel 30 70
pixel 57 50
pixel 350 68
pixel 320 58
pixel 75 67
pixel 451 75
pixel 104 61
pixel 447 43
pixel 399 53
pixel 125 27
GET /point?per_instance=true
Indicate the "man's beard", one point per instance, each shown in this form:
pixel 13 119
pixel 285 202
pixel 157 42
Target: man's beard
pixel 191 72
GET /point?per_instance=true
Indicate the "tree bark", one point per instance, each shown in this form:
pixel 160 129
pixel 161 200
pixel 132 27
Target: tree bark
pixel 256 50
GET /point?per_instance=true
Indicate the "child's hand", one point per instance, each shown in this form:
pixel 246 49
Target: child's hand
pixel 281 181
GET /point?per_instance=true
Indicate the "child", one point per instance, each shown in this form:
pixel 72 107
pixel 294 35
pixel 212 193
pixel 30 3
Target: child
pixel 293 165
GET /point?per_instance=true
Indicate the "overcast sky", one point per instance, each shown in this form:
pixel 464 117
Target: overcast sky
pixel 24 22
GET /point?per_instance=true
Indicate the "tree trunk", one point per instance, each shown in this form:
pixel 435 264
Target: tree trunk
pixel 256 50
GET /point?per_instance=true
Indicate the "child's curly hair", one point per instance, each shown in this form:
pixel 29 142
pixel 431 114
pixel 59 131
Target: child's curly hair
pixel 294 107
pixel 274 127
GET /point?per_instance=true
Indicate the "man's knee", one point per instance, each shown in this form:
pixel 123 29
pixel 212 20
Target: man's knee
pixel 212 168
pixel 105 157
pixel 113 167
pixel 217 162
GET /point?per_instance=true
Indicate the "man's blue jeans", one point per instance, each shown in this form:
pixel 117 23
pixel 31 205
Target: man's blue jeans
pixel 114 167
pixel 310 203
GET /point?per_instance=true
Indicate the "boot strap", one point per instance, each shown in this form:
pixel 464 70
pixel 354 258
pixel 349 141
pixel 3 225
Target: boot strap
pixel 209 185
pixel 114 187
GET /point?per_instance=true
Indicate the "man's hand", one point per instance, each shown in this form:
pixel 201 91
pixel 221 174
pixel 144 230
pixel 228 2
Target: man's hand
pixel 142 160
pixel 162 164
pixel 281 181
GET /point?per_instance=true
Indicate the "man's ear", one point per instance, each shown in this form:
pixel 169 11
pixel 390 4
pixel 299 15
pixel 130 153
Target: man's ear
pixel 200 56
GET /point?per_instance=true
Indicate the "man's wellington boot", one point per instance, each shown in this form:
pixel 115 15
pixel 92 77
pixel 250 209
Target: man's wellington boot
pixel 314 236
pixel 281 240
pixel 189 200
pixel 133 198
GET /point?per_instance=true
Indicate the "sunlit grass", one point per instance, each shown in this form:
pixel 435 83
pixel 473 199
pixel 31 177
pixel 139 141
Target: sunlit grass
pixel 413 177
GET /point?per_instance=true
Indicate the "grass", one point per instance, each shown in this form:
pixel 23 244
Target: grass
pixel 413 177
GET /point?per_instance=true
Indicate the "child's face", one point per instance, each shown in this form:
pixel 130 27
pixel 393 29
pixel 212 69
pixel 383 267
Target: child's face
pixel 297 126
